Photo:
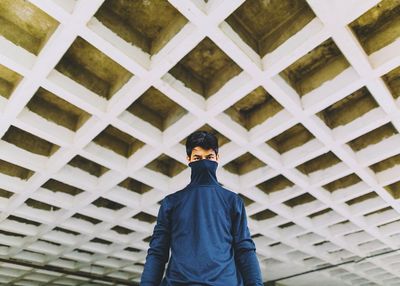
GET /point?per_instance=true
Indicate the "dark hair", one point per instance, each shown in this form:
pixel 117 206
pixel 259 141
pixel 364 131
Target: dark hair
pixel 204 139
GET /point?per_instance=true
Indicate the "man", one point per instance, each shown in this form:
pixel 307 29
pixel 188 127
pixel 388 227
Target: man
pixel 205 226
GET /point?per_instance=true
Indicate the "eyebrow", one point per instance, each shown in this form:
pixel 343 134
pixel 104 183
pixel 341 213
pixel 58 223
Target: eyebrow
pixel 206 155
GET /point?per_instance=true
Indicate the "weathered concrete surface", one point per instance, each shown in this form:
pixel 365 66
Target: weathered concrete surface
pixel 205 69
pixel 392 79
pixel 118 141
pixel 157 109
pixel 386 164
pixel 362 198
pixel 254 108
pixel 142 216
pixel 89 67
pixel 264 25
pixel 88 166
pixel 166 165
pixel 40 205
pixel 10 169
pixel 57 110
pixel 244 164
pixel 56 186
pixel 275 184
pixel 349 108
pixel 300 200
pixel 8 81
pixel 373 137
pixel 394 190
pixel 379 26
pixel 25 25
pixel 29 142
pixel 143 23
pixel 321 64
pixel 319 163
pixel 263 215
pixel 342 183
pixel 104 203
pixel 134 186
pixel 293 137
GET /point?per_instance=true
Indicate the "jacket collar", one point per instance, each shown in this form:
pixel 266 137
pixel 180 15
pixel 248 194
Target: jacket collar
pixel 203 172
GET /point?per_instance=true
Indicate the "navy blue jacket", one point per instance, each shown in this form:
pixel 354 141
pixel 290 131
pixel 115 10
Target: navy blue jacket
pixel 205 226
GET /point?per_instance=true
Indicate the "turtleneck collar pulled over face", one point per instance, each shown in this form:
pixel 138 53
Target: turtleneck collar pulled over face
pixel 203 172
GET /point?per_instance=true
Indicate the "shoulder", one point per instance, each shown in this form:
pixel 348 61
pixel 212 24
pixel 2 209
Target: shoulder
pixel 233 198
pixel 173 197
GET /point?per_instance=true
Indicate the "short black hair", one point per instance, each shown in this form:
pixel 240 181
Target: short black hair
pixel 204 139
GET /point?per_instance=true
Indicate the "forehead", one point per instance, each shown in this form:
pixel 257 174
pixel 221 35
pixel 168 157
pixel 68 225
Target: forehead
pixel 200 151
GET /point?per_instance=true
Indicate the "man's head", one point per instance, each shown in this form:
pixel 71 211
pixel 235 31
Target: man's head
pixel 202 145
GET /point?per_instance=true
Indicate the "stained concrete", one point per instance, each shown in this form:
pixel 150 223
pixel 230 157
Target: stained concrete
pixel 118 141
pixel 325 211
pixel 40 205
pixel 134 186
pixel 65 231
pixel 244 164
pixel 275 184
pixel 142 216
pixel 300 200
pixel 150 25
pixel 263 215
pixel 122 230
pixel 290 139
pixel 29 142
pixel 105 203
pixel 342 183
pixel 13 170
pixel 247 201
pixel 157 109
pixel 321 162
pixel 5 194
pixel 349 108
pixel 392 80
pixel 254 108
pixel 8 81
pixel 321 64
pixel 57 110
pixel 86 218
pixel 265 25
pixel 373 137
pixel 91 68
pixel 166 165
pixel 394 190
pixel 56 186
pixel 386 164
pixel 87 166
pixel 100 241
pixel 362 198
pixel 25 25
pixel 205 69
pixel 23 220
pixel 379 26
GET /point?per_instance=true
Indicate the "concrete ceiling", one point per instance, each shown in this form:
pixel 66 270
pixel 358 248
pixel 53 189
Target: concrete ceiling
pixel 97 98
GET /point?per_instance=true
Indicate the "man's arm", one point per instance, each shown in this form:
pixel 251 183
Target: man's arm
pixel 158 253
pixel 244 247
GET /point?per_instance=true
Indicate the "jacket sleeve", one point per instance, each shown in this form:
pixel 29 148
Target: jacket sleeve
pixel 158 252
pixel 244 247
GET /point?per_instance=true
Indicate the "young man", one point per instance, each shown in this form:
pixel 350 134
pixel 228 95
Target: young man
pixel 205 226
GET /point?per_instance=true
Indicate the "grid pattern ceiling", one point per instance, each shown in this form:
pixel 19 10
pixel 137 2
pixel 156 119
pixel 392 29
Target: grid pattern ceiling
pixel 98 96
